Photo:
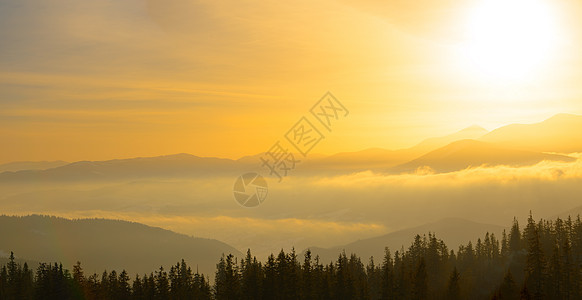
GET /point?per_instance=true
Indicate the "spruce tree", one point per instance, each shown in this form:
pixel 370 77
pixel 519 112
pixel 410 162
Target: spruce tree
pixel 536 265
pixel 508 289
pixel 453 286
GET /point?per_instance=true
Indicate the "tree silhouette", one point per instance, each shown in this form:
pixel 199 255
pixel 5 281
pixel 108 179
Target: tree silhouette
pixel 542 262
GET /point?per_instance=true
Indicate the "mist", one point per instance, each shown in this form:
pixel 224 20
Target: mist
pixel 305 211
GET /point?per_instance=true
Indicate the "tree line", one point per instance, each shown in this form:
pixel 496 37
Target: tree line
pixel 541 261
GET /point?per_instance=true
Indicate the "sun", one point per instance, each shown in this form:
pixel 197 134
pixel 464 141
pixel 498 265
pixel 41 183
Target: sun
pixel 509 40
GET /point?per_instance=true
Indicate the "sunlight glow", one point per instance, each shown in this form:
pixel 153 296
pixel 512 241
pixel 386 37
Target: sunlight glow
pixel 509 40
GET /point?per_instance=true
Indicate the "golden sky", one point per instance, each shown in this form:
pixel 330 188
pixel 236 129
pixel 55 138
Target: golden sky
pixel 97 80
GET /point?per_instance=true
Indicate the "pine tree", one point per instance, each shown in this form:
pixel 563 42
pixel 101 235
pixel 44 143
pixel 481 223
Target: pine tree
pixel 79 282
pixel 554 286
pixel 307 288
pixel 375 280
pixel 113 285
pixel 13 280
pixel 344 285
pixel 162 284
pixel 149 286
pixel 453 286
pixel 402 277
pixel 282 268
pixel 27 283
pixel 508 289
pixel 420 290
pixel 227 281
pixel 535 267
pixel 93 286
pixel 3 283
pixel 137 289
pixel 292 285
pixel 388 276
pixel 576 250
pixel 124 289
pixel 201 288
pixel 515 244
pixel 270 279
pixel 322 278
pixel 358 276
pixel 504 245
pixel 251 277
pixel 180 277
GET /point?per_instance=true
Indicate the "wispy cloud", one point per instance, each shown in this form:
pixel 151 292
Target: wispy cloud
pixel 545 170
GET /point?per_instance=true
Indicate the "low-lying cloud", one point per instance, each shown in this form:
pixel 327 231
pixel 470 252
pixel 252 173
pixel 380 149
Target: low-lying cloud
pixel 317 211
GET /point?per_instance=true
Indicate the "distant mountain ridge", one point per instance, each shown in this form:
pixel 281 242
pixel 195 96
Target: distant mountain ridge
pixel 31 165
pixel 515 145
pixel 472 132
pixel 106 244
pixel 177 165
pixel 561 133
pixel 379 158
pixel 453 231
pixel 470 153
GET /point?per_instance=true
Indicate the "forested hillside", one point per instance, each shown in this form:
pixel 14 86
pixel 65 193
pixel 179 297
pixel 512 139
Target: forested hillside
pixel 541 261
pixel 104 244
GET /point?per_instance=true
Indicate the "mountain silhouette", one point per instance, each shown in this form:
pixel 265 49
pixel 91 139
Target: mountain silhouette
pixel 463 154
pixel 106 244
pixel 30 165
pixel 378 158
pixel 472 132
pixel 178 165
pixel 453 231
pixel 560 133
pixel 514 145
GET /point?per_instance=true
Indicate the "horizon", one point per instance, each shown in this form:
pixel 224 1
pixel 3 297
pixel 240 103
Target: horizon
pixel 473 126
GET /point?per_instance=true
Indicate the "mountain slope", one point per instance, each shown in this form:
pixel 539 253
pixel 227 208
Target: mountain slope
pixel 560 133
pixel 378 158
pixel 470 153
pixel 453 231
pixel 178 165
pixel 31 165
pixel 106 244
pixel 430 144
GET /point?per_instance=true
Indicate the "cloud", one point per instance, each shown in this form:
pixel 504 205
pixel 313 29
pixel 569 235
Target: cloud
pixel 263 236
pixel 432 20
pixel 315 211
pixel 545 171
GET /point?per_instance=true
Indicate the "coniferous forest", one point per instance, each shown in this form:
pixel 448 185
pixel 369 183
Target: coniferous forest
pixel 539 260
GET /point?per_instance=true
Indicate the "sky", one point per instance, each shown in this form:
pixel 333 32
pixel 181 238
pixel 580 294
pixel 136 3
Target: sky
pixel 96 80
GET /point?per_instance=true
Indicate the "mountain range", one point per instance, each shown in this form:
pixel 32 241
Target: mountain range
pixel 515 145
